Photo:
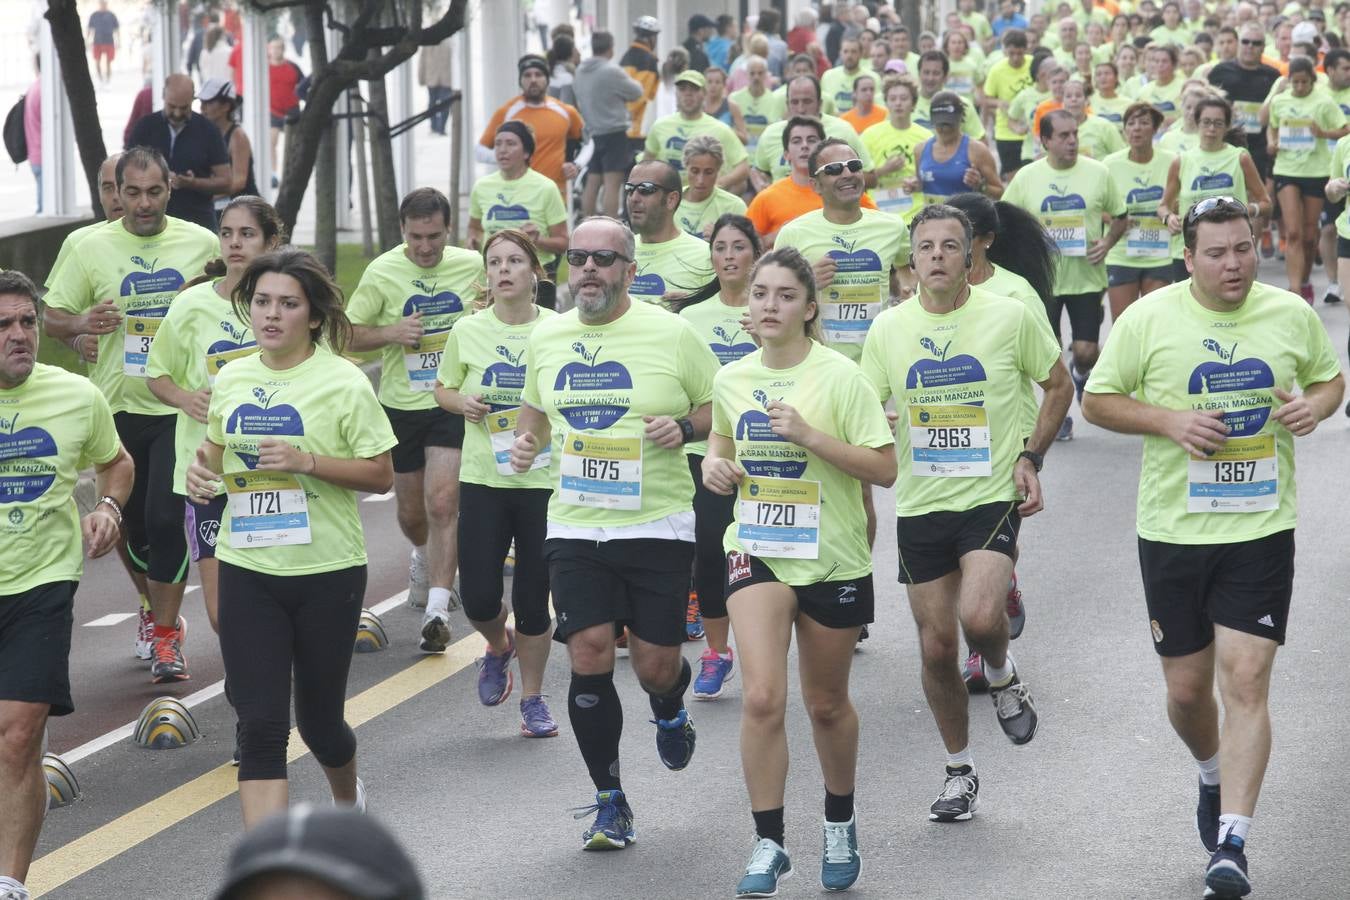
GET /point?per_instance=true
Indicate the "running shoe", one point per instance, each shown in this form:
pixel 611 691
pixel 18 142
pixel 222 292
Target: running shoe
pixel 360 804
pixel 435 633
pixel 1065 429
pixel 1207 816
pixel 693 619
pixel 675 740
pixel 840 862
pixel 535 719
pixel 613 826
pixel 1016 712
pixel 972 673
pixel 1267 246
pixel 960 796
pixel 169 664
pixel 494 673
pixel 1306 292
pixel 16 894
pixel 418 581
pixel 1079 381
pixel 145 635
pixel 768 865
pixel 713 674
pixel 1017 613
pixel 863 634
pixel 1333 294
pixel 1226 876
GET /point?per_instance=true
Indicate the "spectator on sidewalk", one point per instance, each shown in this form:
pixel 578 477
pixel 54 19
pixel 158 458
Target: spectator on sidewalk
pixel 701 28
pixel 32 132
pixel 214 62
pixel 218 106
pixel 142 106
pixel 198 161
pixel 433 73
pixel 103 35
pixel 284 78
pixel 563 58
pixel 603 90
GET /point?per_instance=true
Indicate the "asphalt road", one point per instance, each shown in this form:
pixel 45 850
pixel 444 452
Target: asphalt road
pixel 1100 804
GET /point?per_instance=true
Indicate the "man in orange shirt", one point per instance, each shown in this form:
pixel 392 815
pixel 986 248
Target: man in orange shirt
pixel 556 125
pixel 865 112
pixel 789 197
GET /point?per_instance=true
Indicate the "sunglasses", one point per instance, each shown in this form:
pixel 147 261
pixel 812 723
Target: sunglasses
pixel 645 188
pixel 603 258
pixel 1247 43
pixel 1210 204
pixel 837 168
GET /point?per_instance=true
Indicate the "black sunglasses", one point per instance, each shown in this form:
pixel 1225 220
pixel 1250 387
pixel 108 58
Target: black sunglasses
pixel 837 168
pixel 603 258
pixel 1210 204
pixel 645 188
pixel 1247 43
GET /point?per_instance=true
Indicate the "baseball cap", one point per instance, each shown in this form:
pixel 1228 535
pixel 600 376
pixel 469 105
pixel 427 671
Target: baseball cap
pixel 648 24
pixel 945 109
pixel 699 20
pixel 1304 33
pixel 691 76
pixel 896 65
pixel 1317 15
pixel 216 89
pixel 337 846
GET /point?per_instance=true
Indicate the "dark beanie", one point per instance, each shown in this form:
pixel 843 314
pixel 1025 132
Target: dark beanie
pixel 520 130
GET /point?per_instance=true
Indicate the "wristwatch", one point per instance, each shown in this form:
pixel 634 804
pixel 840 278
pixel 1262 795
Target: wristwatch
pixel 1037 460
pixel 686 431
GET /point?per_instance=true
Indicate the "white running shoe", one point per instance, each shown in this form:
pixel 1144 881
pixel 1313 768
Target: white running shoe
pixel 418 581
pixel 435 632
pixel 145 635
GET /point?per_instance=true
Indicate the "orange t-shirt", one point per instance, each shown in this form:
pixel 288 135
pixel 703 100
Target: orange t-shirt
pixel 783 201
pixel 553 122
pixel 862 123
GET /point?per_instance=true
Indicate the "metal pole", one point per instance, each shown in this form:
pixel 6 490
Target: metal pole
pixel 363 182
pixel 456 149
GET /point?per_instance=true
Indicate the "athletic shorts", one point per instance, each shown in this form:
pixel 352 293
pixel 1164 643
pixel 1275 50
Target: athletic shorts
pixel 1009 156
pixel 1342 248
pixel 1116 276
pixel 1256 146
pixel 642 583
pixel 105 51
pixel 35 646
pixel 1179 271
pixel 612 153
pixel 1189 588
pixel 834 604
pixel 418 429
pixel 1308 187
pixel 203 527
pixel 1332 211
pixel 931 545
pixel 1085 315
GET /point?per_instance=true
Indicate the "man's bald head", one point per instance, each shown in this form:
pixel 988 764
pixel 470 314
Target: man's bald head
pixel 178 95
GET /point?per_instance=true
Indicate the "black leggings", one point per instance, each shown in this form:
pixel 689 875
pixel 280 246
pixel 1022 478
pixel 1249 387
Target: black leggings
pixel 712 514
pixel 153 517
pixel 489 517
pixel 273 626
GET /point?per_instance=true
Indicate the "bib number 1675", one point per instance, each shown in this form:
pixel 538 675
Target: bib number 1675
pixel 603 469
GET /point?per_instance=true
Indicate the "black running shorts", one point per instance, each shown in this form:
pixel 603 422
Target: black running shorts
pixel 931 545
pixel 35 646
pixel 834 604
pixel 642 583
pixel 418 429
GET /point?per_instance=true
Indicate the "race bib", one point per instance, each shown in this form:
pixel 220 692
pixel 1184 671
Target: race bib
pixel 1069 231
pixel 1247 113
pixel 216 361
pixel 266 509
pixel 140 335
pixel 601 472
pixel 963 86
pixel 850 312
pixel 950 441
pixel 501 429
pixel 1147 238
pixel 896 201
pixel 1296 134
pixel 779 517
pixel 1241 477
pixel 423 360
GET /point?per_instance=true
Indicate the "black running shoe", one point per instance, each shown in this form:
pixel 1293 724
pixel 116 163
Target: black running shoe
pixel 1207 816
pixel 1226 877
pixel 1016 713
pixel 959 798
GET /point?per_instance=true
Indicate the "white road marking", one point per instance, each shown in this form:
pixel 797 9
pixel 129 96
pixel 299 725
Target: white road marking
pixel 109 619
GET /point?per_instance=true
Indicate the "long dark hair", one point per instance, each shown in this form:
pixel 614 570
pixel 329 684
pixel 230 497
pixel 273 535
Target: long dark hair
pixel 265 217
pixel 1021 244
pixel 714 287
pixel 326 303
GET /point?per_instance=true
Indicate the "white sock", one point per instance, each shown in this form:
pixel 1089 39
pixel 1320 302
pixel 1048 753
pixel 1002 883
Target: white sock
pixel 1235 826
pixel 1209 770
pixel 438 600
pixel 963 758
pixel 728 655
pixel 9 884
pixel 999 675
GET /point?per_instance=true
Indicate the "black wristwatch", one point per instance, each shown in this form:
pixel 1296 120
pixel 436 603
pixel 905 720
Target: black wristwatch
pixel 1037 459
pixel 686 430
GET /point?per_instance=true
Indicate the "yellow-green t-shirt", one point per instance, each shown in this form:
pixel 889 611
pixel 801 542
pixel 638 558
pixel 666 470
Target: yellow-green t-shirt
pixel 500 203
pixel 1070 203
pixel 1202 174
pixel 1165 98
pixel 958 380
pixel 72 240
pixel 1023 110
pixel 394 287
pixel 323 406
pixel 962 76
pixel 720 327
pixel 833 397
pixel 837 84
pixel 1177 37
pixel 1112 109
pixel 596 383
pixel 51 426
pixel 769 154
pixel 1147 243
pixel 669 134
pixel 970 119
pixel 884 141
pixel 1177 140
pixel 1169 351
pixel 485 357
pixel 1291 120
pixel 199 336
pixel 143 274
pixel 1004 83
pixel 1340 168
pixel 864 252
pixel 1098 138
pixel 758 112
pixel 1009 284
pixel 693 218
pixel 682 264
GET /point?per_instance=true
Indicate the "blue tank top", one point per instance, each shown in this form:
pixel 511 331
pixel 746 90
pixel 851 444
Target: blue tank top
pixel 944 179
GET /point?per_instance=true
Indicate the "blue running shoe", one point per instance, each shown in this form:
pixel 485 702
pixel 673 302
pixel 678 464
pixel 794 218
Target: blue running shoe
pixel 1226 876
pixel 535 719
pixel 1065 429
pixel 769 865
pixel 613 826
pixel 675 740
pixel 841 862
pixel 1079 382
pixel 693 619
pixel 713 674
pixel 494 673
pixel 1207 816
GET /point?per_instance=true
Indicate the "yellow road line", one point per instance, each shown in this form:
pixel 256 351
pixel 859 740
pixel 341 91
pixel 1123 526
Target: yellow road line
pixel 125 832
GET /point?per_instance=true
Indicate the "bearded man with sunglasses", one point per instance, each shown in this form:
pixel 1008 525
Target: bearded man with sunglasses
pixel 1217 509
pixel 670 262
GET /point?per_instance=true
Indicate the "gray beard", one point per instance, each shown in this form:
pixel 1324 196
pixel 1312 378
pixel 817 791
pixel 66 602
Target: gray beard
pixel 593 311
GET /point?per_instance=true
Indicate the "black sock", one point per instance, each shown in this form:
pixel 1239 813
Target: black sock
pixel 769 824
pixel 597 720
pixel 838 807
pixel 667 706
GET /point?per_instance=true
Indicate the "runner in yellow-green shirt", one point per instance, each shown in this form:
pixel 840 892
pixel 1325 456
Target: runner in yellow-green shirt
pixel 1107 101
pixel 1338 185
pixel 53 424
pixel 955 362
pixel 1142 262
pixel 405 306
pixel 1336 64
pixel 669 134
pixel 892 144
pixel 481 376
pixel 617 387
pixel 516 196
pixel 1097 138
pixel 933 68
pixel 293 432
pixel 1164 87
pixel 1022 110
pixel 837 83
pixel 1006 79
pixel 702 202
pixel 1209 371
pixel 803 99
pixel 796 431
pixel 671 263
pixel 759 105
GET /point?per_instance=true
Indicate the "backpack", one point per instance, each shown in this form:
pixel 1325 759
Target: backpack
pixel 16 141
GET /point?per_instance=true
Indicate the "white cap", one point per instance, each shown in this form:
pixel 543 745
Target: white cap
pixel 1305 33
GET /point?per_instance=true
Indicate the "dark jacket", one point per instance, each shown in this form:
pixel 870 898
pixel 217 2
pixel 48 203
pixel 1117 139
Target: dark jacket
pixel 195 151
